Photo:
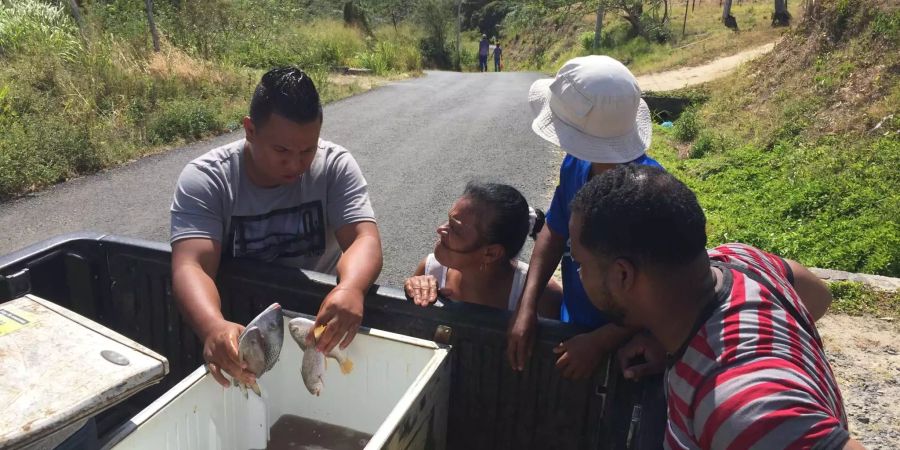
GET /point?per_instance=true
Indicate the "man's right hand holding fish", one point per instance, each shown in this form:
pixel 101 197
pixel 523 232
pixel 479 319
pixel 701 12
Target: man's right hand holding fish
pixel 221 353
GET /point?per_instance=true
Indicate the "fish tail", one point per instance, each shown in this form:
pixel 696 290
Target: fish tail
pixel 346 366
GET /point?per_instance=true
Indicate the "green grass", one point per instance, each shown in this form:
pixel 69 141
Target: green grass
pixel 73 102
pixel 858 299
pixel 807 202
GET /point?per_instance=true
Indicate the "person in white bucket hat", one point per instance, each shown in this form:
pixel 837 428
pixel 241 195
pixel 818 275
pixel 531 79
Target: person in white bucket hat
pixel 593 111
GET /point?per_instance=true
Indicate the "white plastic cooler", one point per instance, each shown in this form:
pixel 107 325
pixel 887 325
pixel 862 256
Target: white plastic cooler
pixel 397 392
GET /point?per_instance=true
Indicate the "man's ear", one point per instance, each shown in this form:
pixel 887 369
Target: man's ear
pixel 624 275
pixel 493 253
pixel 249 129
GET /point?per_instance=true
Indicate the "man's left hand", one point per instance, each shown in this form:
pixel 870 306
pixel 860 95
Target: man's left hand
pixel 341 313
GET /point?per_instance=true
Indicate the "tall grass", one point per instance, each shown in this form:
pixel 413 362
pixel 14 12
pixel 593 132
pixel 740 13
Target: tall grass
pixel 73 102
pixel 34 28
pixel 396 50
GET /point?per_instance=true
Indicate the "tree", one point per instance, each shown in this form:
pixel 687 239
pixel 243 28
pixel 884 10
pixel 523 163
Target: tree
pixel 631 11
pixel 355 16
pixel 434 17
pixel 488 18
pixel 154 34
pixel 782 17
pixel 727 18
pixel 598 26
pixel 647 23
pixel 76 13
pixel 395 10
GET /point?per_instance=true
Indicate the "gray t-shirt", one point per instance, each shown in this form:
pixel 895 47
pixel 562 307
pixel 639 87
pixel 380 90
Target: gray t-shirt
pixel 291 224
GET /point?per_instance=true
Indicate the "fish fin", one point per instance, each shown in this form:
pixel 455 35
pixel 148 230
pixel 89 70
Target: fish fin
pixel 322 385
pixel 346 366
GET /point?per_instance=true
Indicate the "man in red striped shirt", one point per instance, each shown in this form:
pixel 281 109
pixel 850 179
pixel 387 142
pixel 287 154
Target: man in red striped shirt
pixel 746 367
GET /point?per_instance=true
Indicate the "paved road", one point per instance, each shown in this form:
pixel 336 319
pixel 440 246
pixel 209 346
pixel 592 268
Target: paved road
pixel 417 141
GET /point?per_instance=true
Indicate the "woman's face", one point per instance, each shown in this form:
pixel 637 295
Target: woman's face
pixel 459 239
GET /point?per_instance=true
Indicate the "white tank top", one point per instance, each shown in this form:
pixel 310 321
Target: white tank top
pixel 439 272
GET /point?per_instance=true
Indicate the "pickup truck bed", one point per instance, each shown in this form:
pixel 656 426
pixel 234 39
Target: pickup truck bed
pixel 125 284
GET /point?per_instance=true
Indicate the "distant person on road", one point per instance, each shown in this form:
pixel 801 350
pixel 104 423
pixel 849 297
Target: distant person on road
pixel 593 110
pixel 734 324
pixel 283 195
pixel 498 53
pixel 475 256
pixel 484 47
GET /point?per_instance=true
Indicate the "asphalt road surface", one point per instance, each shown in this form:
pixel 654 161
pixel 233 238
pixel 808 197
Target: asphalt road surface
pixel 417 141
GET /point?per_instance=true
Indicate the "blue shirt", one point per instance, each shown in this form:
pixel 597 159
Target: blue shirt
pixel 484 47
pixel 573 174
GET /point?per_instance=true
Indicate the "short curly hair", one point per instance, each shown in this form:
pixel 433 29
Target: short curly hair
pixel 642 213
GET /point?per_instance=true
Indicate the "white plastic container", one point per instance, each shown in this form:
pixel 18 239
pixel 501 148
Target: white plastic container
pixel 397 392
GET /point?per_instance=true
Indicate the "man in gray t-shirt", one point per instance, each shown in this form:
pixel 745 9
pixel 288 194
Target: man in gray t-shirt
pixel 280 195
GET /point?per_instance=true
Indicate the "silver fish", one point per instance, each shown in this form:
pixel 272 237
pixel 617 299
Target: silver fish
pixel 260 344
pixel 312 369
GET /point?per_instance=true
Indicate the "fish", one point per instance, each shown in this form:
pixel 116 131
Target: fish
pixel 259 345
pixel 314 363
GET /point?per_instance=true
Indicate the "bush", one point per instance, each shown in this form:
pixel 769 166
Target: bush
pixel 687 127
pixel 436 54
pixel 186 119
pixel 434 17
pixel 886 26
pixel 704 144
pixel 37 153
pixel 125 19
pixel 587 41
pixel 654 30
pixel 388 57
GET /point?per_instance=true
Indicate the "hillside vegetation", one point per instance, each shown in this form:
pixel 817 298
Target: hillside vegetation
pixel 543 39
pixel 799 151
pixel 77 98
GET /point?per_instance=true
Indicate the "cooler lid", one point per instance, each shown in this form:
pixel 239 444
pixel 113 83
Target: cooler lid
pixel 59 368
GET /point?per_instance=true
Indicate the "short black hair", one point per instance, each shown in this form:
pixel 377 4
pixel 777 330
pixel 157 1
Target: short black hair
pixel 507 215
pixel 642 213
pixel 288 92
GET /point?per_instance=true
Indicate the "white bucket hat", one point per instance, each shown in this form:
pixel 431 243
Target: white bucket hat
pixel 592 110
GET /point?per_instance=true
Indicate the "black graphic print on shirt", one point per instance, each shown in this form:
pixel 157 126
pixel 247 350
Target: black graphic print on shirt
pixel 283 233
